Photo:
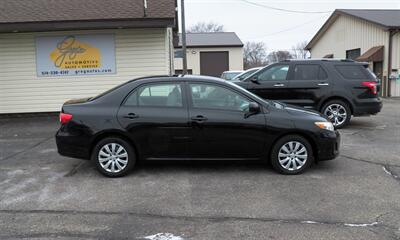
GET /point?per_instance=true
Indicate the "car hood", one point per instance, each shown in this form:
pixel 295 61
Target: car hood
pixel 298 111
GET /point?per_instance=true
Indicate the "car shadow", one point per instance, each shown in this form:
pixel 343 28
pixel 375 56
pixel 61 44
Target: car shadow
pixel 146 168
pixel 202 166
pixel 361 123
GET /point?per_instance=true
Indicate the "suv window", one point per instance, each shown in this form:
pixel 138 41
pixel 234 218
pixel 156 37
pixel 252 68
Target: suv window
pixel 309 72
pixel 216 97
pixel 158 95
pixel 351 71
pixel 274 73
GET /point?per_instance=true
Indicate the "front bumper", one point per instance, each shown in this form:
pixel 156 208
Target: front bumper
pixel 328 145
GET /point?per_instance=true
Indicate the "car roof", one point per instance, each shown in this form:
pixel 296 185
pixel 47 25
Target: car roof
pixel 180 78
pixel 233 71
pixel 332 60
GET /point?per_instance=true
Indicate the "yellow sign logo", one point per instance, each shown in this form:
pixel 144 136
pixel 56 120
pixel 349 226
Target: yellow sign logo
pixel 72 54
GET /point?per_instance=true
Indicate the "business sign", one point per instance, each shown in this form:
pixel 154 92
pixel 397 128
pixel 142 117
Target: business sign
pixel 75 55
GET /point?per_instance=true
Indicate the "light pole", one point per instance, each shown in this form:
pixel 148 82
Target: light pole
pixel 184 58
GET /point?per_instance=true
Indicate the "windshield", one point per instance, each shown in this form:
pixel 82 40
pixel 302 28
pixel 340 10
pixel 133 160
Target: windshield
pixel 257 98
pixel 229 75
pixel 245 74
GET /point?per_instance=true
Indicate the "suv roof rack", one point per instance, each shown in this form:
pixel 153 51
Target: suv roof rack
pixel 321 59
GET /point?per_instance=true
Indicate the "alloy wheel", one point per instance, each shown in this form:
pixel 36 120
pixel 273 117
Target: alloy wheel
pixel 292 155
pixel 113 157
pixel 336 113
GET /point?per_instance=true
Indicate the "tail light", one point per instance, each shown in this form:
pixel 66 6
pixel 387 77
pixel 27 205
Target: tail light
pixel 372 86
pixel 65 118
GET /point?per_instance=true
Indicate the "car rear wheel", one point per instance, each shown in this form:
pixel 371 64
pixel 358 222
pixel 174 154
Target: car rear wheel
pixel 338 112
pixel 114 157
pixel 291 154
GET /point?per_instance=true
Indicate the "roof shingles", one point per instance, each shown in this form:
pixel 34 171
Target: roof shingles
pixel 20 11
pixel 389 18
pixel 212 39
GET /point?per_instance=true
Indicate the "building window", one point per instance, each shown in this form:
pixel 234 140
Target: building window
pixel 353 53
pixel 178 53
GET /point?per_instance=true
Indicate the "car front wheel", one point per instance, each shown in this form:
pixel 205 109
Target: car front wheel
pixel 114 157
pixel 291 154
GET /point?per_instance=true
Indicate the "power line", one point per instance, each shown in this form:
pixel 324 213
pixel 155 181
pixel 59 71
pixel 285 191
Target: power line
pixel 289 29
pixel 281 9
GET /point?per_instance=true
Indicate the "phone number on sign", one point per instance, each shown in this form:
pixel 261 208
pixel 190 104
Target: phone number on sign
pixel 75 72
pixel 52 73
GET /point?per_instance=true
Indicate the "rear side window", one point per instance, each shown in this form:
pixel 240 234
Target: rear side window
pixel 352 71
pixel 156 95
pixel 309 72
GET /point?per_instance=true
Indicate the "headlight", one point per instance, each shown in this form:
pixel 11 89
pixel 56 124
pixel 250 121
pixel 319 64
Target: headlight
pixel 325 125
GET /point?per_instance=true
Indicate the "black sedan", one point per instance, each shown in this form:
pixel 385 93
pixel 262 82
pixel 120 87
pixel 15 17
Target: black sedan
pixel 191 118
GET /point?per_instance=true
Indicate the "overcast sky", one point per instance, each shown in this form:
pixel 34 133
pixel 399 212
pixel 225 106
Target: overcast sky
pixel 280 30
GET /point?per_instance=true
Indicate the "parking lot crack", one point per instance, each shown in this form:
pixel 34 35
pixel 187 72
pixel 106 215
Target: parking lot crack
pixel 370 162
pixel 217 218
pixel 75 169
pixel 26 149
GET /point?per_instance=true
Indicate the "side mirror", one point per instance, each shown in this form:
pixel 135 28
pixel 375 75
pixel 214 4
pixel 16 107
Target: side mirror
pixel 254 108
pixel 254 79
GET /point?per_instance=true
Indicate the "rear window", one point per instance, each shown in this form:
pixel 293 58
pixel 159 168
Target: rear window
pixel 352 71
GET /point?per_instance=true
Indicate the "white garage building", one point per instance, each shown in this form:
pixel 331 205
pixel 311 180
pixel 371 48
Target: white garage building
pixel 210 53
pixel 55 50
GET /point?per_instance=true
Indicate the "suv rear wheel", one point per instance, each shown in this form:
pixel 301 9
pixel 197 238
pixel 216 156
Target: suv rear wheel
pixel 338 112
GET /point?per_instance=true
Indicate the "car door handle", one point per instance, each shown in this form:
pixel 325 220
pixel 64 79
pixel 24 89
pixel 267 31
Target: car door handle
pixel 279 85
pixel 323 84
pixel 131 116
pixel 199 118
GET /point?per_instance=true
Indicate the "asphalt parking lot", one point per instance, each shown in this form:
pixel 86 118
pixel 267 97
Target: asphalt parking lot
pixel 46 196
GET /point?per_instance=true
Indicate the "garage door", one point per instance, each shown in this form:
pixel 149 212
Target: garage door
pixel 214 63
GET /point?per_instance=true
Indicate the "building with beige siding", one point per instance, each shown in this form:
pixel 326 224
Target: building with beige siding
pixel 371 36
pixel 210 53
pixel 53 51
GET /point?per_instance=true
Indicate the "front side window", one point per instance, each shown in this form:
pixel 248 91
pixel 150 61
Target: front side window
pixel 217 97
pixel 274 73
pixel 309 72
pixel 158 95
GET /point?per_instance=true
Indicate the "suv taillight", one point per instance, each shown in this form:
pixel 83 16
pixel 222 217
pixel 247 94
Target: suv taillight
pixel 65 118
pixel 372 86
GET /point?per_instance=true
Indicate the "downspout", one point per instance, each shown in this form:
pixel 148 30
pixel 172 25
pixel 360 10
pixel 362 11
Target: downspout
pixel 389 70
pixel 144 8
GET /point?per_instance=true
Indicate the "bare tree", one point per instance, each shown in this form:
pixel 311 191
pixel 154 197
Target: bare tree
pixel 254 54
pixel 299 51
pixel 204 27
pixel 277 56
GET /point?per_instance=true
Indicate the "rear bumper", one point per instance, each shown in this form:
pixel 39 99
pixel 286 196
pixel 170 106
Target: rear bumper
pixel 328 145
pixel 368 107
pixel 71 146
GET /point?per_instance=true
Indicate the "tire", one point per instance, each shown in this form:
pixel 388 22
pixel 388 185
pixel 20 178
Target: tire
pixel 115 162
pixel 291 164
pixel 334 110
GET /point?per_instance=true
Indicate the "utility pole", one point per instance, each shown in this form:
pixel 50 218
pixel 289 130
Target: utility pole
pixel 184 59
